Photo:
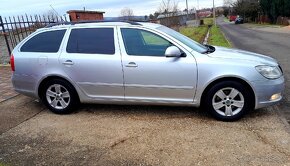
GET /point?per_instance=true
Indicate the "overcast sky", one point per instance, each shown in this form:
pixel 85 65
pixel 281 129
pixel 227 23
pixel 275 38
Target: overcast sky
pixel 111 7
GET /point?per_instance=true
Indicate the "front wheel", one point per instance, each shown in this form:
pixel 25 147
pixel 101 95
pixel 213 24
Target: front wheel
pixel 59 96
pixel 228 101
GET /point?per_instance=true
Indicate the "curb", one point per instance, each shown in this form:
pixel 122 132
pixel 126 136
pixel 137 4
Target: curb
pixel 227 39
pixel 206 37
pixel 230 43
pixel 205 41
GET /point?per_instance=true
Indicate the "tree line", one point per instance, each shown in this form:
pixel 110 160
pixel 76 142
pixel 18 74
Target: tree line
pixel 275 8
pixel 252 9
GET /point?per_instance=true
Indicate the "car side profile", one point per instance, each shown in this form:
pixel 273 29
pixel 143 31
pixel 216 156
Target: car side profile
pixel 141 63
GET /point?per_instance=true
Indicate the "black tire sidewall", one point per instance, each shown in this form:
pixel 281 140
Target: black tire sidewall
pixel 248 98
pixel 73 96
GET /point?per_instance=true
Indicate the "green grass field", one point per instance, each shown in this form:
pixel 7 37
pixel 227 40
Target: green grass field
pixel 198 33
pixel 195 33
pixel 208 21
pixel 217 38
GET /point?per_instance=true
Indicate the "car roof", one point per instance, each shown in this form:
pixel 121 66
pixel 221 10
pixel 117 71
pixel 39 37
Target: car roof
pixel 97 24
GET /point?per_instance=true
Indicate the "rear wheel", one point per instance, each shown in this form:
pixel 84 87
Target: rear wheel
pixel 59 96
pixel 228 101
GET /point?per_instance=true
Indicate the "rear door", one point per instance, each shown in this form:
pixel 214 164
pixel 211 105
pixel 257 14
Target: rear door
pixel 92 60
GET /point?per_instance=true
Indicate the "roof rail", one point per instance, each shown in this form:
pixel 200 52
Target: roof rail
pixel 90 21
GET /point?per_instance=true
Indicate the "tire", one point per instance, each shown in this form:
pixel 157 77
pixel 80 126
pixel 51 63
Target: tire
pixel 59 96
pixel 228 101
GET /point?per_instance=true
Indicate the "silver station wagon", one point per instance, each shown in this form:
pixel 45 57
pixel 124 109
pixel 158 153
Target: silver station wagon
pixel 141 63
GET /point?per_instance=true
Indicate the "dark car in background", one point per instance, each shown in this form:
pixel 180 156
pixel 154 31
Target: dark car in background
pixel 239 20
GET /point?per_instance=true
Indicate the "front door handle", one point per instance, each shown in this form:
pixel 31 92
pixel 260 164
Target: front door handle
pixel 131 64
pixel 68 62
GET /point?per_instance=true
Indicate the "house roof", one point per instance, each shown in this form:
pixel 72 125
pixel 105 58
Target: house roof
pixel 85 11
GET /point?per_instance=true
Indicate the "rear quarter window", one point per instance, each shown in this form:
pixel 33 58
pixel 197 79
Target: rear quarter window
pixel 47 42
pixel 91 41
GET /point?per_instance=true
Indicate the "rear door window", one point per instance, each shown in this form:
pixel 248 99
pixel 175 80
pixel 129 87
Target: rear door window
pixel 91 41
pixel 47 42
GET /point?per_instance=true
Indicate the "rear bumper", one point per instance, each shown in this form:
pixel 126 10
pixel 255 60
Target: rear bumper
pixel 265 90
pixel 24 84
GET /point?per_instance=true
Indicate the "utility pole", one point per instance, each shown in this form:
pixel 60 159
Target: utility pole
pixel 186 10
pixel 213 11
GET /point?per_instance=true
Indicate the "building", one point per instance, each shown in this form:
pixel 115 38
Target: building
pixel 81 15
pixel 176 19
pixel 204 13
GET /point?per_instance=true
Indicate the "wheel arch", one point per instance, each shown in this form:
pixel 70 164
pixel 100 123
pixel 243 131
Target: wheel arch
pixel 236 79
pixel 44 80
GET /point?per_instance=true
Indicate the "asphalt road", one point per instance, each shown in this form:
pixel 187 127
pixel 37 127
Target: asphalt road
pixel 276 45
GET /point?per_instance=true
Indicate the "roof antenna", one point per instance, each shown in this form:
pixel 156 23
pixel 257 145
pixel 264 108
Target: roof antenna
pixel 57 13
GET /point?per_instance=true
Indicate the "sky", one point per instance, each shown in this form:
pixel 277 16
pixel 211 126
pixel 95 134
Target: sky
pixel 111 8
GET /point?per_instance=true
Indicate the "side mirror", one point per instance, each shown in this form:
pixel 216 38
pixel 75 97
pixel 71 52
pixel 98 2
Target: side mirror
pixel 173 51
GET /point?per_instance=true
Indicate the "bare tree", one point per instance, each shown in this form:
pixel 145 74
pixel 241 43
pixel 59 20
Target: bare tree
pixel 169 11
pixel 229 2
pixel 127 14
pixel 168 6
pixel 229 6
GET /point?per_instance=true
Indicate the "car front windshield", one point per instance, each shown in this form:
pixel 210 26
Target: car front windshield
pixel 185 40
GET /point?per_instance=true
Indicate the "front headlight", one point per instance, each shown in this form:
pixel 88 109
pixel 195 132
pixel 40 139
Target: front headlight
pixel 270 72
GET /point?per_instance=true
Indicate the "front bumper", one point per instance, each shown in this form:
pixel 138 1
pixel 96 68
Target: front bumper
pixel 264 91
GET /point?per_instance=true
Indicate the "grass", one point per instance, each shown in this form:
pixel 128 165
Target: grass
pixel 226 20
pixel 198 34
pixel 217 38
pixel 195 33
pixel 208 21
pixel 1 164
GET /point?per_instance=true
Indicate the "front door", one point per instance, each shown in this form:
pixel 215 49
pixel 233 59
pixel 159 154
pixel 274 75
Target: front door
pixel 149 76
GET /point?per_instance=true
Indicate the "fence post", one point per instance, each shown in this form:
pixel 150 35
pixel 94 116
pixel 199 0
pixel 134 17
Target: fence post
pixel 5 36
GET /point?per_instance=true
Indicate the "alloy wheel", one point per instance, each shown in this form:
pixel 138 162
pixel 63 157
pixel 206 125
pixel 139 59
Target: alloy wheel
pixel 228 101
pixel 58 96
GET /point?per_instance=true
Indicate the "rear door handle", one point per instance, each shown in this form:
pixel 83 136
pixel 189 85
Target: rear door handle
pixel 131 64
pixel 68 62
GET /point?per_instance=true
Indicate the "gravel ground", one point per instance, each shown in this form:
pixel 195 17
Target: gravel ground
pixel 138 135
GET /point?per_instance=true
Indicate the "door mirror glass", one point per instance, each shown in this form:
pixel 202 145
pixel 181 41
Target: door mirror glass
pixel 173 51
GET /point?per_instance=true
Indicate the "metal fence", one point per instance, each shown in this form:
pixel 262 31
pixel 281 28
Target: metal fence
pixel 16 28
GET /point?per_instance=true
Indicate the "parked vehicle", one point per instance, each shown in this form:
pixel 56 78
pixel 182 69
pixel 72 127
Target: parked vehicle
pixel 239 20
pixel 232 18
pixel 141 63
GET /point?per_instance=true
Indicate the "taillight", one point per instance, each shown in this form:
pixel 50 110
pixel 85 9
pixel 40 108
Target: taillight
pixel 12 64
